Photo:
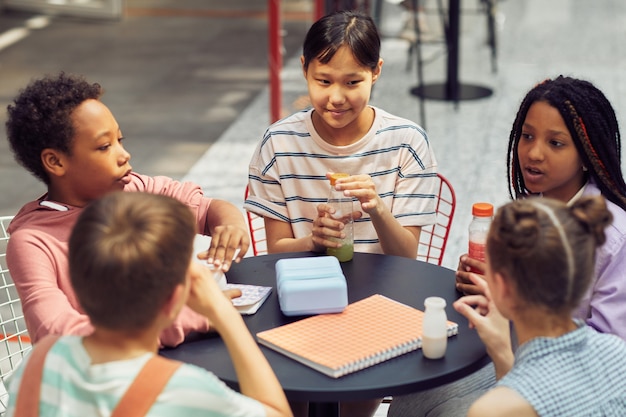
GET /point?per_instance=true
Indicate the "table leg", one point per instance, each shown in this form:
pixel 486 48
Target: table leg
pixel 323 409
pixel 452 89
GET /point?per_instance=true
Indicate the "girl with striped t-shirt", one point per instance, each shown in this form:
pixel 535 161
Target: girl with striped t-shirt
pixel 392 167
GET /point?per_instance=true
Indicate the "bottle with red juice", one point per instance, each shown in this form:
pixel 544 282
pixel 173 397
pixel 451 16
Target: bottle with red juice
pixel 479 227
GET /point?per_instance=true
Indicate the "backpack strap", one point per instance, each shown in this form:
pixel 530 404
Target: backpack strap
pixel 137 400
pixel 30 385
pixel 146 387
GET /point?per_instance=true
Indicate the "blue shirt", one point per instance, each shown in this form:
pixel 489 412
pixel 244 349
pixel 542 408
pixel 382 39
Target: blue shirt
pixel 581 373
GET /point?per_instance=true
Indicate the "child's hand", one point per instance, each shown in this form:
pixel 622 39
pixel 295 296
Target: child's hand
pixel 227 241
pixel 206 297
pixel 492 327
pixel 232 293
pixel 464 283
pixel 326 227
pixel 363 189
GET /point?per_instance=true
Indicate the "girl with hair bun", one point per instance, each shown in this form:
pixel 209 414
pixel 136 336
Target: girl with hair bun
pixel 564 144
pixel 540 262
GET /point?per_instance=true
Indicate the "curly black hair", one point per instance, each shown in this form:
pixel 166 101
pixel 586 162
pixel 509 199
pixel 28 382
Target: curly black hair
pixel 39 118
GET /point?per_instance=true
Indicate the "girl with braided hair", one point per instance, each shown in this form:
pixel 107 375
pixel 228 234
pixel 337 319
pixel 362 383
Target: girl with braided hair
pixel 590 121
pixel 540 262
pixel 565 144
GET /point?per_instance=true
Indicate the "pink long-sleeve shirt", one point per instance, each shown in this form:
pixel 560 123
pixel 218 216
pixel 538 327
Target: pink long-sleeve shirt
pixel 37 257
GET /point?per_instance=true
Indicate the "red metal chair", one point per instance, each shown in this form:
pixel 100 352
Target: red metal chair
pixel 433 238
pixel 256 226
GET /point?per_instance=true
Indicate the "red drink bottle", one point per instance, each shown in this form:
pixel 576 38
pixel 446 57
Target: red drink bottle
pixel 479 227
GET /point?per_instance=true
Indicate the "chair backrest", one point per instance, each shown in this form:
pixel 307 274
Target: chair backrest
pixel 256 226
pixel 433 238
pixel 14 340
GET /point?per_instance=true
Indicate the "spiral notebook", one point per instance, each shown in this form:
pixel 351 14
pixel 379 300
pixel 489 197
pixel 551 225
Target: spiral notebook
pixel 367 332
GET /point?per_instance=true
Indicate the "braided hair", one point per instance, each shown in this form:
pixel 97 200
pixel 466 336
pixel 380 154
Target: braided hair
pixel 592 123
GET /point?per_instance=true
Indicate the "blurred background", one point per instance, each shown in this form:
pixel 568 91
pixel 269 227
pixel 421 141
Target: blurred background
pixel 189 81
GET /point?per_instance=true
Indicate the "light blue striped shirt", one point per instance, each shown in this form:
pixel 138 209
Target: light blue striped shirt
pixel 73 387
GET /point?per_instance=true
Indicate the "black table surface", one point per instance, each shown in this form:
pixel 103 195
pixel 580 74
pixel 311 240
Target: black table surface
pixel 402 279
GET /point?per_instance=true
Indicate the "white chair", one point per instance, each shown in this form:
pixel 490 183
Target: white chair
pixel 14 340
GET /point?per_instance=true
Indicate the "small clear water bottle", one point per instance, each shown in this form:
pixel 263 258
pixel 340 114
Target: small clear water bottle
pixel 434 328
pixel 344 207
pixel 478 229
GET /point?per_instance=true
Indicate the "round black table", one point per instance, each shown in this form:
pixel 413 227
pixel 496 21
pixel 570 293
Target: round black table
pixel 406 280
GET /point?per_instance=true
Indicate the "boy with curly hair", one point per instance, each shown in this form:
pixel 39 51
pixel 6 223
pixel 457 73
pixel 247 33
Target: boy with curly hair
pixel 62 133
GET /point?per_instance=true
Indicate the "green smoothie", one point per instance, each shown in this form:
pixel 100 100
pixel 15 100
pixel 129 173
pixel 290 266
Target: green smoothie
pixel 343 254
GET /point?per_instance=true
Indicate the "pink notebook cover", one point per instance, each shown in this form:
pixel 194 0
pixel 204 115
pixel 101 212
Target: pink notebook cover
pixel 367 332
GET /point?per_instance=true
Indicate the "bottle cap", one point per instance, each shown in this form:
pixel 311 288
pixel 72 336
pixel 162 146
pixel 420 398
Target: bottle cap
pixel 435 302
pixel 335 175
pixel 482 209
